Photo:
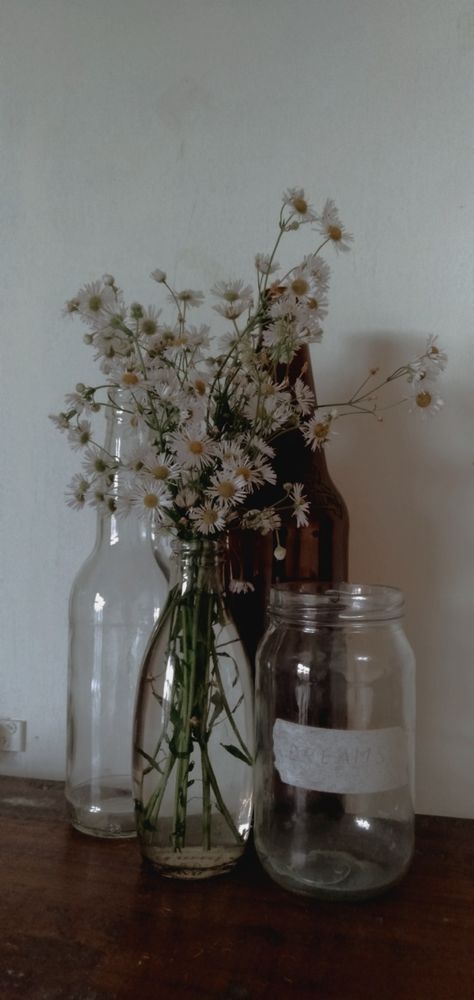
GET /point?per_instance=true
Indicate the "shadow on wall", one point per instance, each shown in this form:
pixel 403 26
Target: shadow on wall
pixel 396 474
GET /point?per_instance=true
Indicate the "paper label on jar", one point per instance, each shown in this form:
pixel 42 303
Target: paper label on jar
pixel 347 761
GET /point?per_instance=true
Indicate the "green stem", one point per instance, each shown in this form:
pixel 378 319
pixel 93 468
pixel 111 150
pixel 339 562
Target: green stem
pixel 227 706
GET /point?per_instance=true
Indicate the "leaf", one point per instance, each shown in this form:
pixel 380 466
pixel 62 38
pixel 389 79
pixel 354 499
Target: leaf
pixel 150 760
pixel 236 753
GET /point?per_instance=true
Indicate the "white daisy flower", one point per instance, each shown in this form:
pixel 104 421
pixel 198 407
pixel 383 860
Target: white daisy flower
pixel 186 497
pixel 330 226
pixel 426 401
pixel 198 336
pixel 320 271
pixel 307 325
pixel 227 488
pixel 262 447
pixel 207 518
pixel 75 401
pixel 100 500
pixel 149 326
pixel 161 467
pixel 80 435
pixel 134 456
pixel 123 503
pixel 296 201
pixel 255 472
pixel 148 496
pixel 265 265
pixel 265 520
pixel 437 359
pixel 299 283
pixel 189 297
pixel 96 462
pixel 193 448
pixel 236 296
pixel 304 397
pixel 60 421
pixel 233 291
pixel 128 376
pixel 76 492
pixel 317 430
pixel 198 381
pixel 96 301
pixel 300 504
pixel 231 310
pixel 109 343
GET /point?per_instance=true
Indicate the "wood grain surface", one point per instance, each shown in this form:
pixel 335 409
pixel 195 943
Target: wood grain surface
pixel 84 919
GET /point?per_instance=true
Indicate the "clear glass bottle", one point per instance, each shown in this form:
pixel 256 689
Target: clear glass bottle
pixel 193 737
pixel 115 600
pixel 335 708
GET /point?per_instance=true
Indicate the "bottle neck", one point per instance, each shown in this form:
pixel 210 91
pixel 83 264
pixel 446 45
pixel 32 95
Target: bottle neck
pixel 310 604
pixel 198 565
pixel 120 439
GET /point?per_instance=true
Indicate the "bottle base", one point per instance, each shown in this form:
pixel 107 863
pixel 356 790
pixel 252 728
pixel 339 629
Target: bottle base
pixel 103 809
pixel 336 875
pixel 192 862
pixel 336 861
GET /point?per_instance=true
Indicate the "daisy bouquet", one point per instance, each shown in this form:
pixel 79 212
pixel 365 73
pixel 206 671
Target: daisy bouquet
pixel 210 414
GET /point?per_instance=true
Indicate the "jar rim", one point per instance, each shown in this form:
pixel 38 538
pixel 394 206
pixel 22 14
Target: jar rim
pixel 335 603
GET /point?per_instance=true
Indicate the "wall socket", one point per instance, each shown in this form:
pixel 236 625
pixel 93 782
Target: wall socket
pixel 12 735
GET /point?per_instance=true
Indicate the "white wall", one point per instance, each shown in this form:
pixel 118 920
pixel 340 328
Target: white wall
pixel 162 134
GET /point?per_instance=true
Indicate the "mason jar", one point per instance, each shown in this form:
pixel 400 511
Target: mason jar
pixel 334 756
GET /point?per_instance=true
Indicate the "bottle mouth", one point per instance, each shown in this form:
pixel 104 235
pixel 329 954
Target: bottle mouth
pixel 335 603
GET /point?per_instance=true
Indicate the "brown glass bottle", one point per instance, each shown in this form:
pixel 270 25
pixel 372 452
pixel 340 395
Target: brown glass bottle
pixel 318 551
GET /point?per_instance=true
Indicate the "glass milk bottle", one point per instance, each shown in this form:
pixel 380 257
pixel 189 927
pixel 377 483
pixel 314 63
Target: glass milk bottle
pixel 115 600
pixel 334 740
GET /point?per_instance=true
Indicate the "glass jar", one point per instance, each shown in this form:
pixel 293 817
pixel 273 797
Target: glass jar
pixel 193 739
pixel 335 707
pixel 115 600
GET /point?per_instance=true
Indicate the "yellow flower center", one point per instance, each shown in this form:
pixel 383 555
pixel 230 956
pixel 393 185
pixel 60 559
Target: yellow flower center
pixel 130 378
pixel 160 472
pixel 95 303
pixel 226 489
pixel 244 471
pixel 320 430
pixel 150 500
pixel 300 205
pixel 300 286
pixel 335 233
pixel 209 516
pixel 312 303
pixel 149 327
pixel 423 399
pixel 200 387
pixel 196 447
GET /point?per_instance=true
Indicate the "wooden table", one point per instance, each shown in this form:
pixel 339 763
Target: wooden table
pixel 83 919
